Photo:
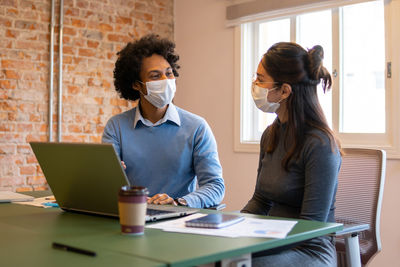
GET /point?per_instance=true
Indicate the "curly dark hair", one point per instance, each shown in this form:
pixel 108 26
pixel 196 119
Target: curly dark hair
pixel 129 62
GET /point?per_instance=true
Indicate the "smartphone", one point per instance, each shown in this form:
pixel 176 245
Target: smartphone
pixel 217 220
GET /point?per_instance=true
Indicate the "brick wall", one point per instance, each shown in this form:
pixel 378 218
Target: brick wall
pixel 94 31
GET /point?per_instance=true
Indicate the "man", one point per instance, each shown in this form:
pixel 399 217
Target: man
pixel 163 147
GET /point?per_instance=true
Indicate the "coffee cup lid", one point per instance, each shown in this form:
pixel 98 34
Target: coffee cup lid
pixel 130 190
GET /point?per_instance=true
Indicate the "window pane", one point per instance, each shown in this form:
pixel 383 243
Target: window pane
pixel 309 34
pixel 269 33
pixel 363 68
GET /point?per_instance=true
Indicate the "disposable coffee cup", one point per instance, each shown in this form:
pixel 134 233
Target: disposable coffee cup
pixel 132 204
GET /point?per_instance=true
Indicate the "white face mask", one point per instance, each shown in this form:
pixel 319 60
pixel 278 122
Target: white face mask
pixel 260 97
pixel 160 93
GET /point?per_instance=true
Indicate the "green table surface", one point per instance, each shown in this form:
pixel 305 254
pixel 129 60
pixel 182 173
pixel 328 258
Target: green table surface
pixel 28 232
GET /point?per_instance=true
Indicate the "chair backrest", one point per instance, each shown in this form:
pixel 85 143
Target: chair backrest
pixel 359 197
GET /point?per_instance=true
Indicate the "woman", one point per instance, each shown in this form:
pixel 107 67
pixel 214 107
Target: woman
pixel 299 154
pixel 163 147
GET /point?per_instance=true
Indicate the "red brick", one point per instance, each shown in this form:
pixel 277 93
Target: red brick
pixel 160 2
pixel 87 14
pixel 99 129
pixel 24 127
pixel 97 120
pixel 7 84
pixel 118 102
pixel 72 12
pixel 11 33
pixel 73 138
pixel 31 159
pixel 26 25
pixel 78 23
pixel 5 22
pixel 24 189
pixel 34 118
pixel 35 180
pixel 27 170
pixel 67 60
pixel 92 44
pixel 111 55
pixel 116 111
pixel 17 64
pixel 99 100
pixel 105 27
pixel 140 6
pixel 88 128
pixel 7 127
pixel 72 89
pixel 74 129
pixel 79 118
pixel 43 128
pixel 10 137
pixel 87 52
pixel 69 50
pixel 7 148
pixel 79 42
pixel 69 31
pixel 11 74
pixel 82 4
pixel 118 38
pixel 35 138
pixel 11 181
pixel 124 20
pixel 24 149
pixel 95 139
pixel 37 46
pixel 26 107
pixel 41 188
pixel 3 94
pixel 149 26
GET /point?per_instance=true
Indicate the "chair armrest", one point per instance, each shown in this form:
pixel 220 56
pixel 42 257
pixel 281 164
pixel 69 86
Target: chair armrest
pixel 349 229
pixel 217 207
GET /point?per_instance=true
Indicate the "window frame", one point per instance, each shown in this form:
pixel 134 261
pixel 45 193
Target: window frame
pixel 390 140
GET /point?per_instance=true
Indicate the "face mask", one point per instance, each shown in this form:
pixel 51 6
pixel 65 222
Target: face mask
pixel 260 97
pixel 160 93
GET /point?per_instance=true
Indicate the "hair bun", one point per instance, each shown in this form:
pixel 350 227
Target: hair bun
pixel 316 70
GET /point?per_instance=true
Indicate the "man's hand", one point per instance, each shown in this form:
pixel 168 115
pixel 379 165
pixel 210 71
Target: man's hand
pixel 161 199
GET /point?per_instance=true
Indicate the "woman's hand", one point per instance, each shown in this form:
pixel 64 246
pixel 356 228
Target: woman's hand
pixel 161 199
pixel 123 164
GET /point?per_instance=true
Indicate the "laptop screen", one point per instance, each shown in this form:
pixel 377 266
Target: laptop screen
pixel 82 177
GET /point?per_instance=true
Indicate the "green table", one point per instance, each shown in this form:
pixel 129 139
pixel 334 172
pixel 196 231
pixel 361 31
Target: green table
pixel 26 235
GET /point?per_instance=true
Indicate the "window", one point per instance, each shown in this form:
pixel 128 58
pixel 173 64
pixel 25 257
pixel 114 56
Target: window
pixel 355 39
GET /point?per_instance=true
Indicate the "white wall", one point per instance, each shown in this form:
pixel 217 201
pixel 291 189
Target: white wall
pixel 205 87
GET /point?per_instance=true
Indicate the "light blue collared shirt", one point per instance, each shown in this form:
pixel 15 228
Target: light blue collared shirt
pixel 171 156
pixel 171 114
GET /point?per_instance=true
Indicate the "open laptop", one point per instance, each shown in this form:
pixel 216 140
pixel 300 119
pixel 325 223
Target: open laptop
pixel 87 177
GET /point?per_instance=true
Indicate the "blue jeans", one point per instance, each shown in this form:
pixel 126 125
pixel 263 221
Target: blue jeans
pixel 316 252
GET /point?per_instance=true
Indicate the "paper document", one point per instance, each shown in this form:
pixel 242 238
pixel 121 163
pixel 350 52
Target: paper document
pixel 249 227
pixel 8 196
pixel 42 202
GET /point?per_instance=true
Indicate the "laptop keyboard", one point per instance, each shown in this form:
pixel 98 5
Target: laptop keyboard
pixel 152 212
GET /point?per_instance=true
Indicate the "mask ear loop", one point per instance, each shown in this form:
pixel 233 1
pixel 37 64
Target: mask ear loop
pixel 144 85
pixel 280 86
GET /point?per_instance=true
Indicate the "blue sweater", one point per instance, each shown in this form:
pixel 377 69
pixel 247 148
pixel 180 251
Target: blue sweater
pixel 169 158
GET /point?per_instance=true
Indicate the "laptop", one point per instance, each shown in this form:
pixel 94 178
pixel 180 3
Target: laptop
pixel 87 177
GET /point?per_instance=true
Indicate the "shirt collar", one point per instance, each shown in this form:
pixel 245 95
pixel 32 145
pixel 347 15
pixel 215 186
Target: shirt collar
pixel 171 115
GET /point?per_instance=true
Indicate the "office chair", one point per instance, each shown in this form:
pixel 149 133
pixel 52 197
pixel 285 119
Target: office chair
pixel 358 205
